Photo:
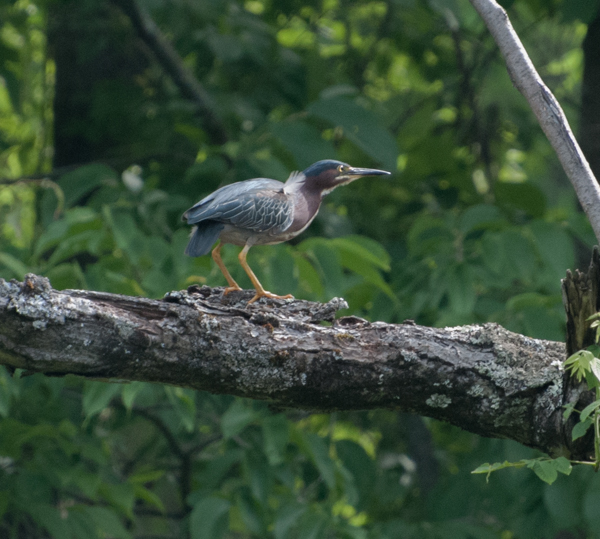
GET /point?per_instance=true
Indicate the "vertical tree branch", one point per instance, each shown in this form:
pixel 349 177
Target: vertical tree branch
pixel 545 106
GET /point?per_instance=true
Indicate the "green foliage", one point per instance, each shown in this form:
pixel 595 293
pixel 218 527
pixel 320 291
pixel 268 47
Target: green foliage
pixel 546 469
pixel 475 225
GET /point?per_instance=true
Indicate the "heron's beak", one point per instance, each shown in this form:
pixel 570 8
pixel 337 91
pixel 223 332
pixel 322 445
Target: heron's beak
pixel 356 173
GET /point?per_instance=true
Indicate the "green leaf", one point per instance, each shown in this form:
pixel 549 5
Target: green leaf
pixel 286 519
pixel 569 409
pixel 142 493
pixel 87 241
pixel 84 180
pixel 520 257
pixel 479 217
pixel 581 428
pixel 250 512
pixel 108 522
pixel 311 526
pixel 428 234
pixel 588 410
pixel 546 470
pixel 563 465
pixel 18 268
pixel 78 219
pixel 488 468
pixel 356 258
pixel 89 483
pixel 97 396
pixel 49 517
pixel 129 392
pixel 275 438
pixel 360 466
pixel 595 368
pixel 364 248
pixel 237 417
pixel 125 231
pixel 213 473
pixel 82 524
pixel 361 126
pixel 320 455
pixel 259 475
pixel 146 477
pixel 119 495
pixel 591 378
pixel 303 141
pixel 68 275
pixel 184 405
pixel 209 518
pixel 580 363
pixel 308 277
pixel 461 292
pixel 521 196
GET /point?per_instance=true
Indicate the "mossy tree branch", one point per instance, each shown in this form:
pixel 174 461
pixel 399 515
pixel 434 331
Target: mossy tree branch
pixel 484 379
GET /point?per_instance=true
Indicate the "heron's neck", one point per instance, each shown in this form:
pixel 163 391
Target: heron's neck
pixel 306 204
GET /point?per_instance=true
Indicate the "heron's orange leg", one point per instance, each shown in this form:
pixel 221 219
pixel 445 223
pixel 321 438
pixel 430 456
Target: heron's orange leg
pixel 216 254
pixel 260 291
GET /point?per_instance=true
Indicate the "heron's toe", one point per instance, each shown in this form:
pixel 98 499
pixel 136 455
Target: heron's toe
pixel 231 289
pixel 265 294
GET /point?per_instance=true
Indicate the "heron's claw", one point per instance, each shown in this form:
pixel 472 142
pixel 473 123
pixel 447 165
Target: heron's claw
pixel 265 294
pixel 232 289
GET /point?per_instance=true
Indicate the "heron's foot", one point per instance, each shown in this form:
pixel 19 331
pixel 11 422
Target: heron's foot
pixel 235 288
pixel 265 294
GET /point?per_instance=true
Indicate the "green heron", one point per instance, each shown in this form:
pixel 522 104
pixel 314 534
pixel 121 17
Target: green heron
pixel 264 212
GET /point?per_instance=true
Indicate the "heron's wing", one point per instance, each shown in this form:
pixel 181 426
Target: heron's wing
pixel 258 205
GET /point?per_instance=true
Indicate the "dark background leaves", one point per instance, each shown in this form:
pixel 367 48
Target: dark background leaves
pixel 478 223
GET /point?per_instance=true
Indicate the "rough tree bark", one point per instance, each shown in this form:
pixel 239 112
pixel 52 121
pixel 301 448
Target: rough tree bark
pixel 484 379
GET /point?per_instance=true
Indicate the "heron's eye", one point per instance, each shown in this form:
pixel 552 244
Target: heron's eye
pixel 343 168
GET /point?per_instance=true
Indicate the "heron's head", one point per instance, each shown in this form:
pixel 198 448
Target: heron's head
pixel 324 176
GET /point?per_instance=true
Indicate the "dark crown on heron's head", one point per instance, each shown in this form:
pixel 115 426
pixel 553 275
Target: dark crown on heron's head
pixel 325 166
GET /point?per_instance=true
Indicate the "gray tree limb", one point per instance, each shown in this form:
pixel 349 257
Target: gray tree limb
pixel 545 106
pixel 484 379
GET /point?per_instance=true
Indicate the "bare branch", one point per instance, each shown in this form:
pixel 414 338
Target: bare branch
pixel 545 106
pixel 169 59
pixel 484 379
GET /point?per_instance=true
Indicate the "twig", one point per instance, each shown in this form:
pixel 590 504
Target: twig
pixel 171 62
pixel 545 106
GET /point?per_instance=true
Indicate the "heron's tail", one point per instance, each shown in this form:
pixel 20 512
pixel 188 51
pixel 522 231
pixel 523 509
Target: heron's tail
pixel 203 237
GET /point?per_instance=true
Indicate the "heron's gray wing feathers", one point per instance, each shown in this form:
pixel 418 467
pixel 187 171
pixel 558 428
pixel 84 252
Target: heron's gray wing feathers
pixel 258 205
